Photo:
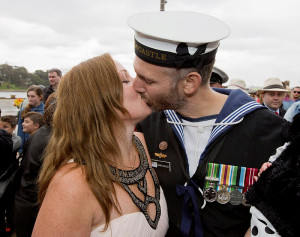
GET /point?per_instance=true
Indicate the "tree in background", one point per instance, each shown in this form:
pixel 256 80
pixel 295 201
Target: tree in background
pixel 14 76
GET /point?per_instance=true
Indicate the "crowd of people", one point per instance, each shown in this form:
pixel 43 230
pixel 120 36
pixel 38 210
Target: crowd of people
pixel 171 152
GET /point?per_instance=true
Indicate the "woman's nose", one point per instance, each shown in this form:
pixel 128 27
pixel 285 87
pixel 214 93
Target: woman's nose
pixel 138 85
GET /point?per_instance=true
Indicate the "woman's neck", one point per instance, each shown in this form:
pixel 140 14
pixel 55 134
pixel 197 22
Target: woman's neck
pixel 37 104
pixel 127 148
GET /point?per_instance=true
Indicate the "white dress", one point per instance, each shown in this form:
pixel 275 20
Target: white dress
pixel 135 224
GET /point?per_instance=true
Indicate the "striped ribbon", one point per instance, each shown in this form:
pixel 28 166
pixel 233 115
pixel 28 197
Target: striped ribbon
pixel 249 180
pixel 224 176
pixel 242 178
pixel 212 172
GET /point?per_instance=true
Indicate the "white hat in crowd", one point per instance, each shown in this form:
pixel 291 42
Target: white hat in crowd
pixel 237 83
pixel 273 84
pixel 177 39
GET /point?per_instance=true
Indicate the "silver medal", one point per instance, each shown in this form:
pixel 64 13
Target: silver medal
pixel 210 194
pixel 236 197
pixel 223 196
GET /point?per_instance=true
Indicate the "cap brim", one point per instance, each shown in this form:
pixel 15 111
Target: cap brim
pixel 236 88
pixel 172 25
pixel 221 73
pixel 276 89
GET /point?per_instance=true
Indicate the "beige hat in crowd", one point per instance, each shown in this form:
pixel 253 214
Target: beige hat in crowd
pixel 273 84
pixel 237 83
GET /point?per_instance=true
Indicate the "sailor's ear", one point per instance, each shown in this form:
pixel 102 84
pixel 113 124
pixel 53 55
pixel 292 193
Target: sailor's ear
pixel 191 83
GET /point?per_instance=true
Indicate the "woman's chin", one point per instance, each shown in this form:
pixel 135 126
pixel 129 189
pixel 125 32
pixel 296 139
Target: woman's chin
pixel 140 118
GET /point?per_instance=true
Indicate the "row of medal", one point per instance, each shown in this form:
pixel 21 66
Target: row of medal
pixel 227 183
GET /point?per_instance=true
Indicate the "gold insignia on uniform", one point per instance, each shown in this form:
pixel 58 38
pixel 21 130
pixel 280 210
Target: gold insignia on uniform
pixel 163 145
pixel 160 155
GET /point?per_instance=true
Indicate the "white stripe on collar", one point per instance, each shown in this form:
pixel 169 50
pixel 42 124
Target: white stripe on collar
pixel 230 119
pixel 241 111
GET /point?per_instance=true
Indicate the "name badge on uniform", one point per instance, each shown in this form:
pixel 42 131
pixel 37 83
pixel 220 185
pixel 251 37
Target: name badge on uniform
pixel 161 164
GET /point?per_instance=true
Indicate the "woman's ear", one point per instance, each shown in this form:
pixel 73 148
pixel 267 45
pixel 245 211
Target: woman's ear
pixel 191 83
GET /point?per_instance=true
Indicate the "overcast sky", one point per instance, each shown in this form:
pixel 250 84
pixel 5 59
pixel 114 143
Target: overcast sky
pixel 40 34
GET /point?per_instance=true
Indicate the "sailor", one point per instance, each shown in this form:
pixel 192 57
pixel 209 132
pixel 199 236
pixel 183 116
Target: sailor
pixel 218 78
pixel 194 124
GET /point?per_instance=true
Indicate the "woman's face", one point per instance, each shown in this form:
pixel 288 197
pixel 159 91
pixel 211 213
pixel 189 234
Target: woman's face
pixel 132 100
pixel 33 98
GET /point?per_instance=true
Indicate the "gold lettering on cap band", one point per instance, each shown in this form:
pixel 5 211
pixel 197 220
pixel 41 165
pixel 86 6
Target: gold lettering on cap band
pixel 169 59
pixel 150 53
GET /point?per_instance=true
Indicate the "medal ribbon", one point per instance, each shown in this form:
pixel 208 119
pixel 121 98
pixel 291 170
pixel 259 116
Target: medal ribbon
pixel 233 177
pixel 249 179
pixel 242 174
pixel 212 172
pixel 224 176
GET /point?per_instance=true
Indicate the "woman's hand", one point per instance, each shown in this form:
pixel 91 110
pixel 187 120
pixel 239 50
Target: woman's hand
pixel 265 166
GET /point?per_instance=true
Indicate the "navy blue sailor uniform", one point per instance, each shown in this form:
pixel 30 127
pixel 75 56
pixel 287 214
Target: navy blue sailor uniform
pixel 245 134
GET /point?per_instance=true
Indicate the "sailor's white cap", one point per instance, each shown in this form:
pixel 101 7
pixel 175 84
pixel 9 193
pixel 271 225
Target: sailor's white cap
pixel 177 39
pixel 218 76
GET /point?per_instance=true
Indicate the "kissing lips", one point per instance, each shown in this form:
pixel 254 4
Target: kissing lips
pixel 146 101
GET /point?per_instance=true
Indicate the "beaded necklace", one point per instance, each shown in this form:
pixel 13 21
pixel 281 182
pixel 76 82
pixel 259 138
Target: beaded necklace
pixel 138 176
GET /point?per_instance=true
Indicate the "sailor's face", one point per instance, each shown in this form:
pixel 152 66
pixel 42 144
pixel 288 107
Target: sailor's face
pixel 156 86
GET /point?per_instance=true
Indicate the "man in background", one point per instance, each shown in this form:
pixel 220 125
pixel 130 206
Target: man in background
pixel 296 93
pixel 54 76
pixel 273 94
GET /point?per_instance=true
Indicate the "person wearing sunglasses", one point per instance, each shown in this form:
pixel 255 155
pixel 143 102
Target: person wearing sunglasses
pixel 296 93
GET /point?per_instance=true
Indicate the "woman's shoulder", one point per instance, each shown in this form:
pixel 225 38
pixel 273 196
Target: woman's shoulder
pixel 70 184
pixel 68 206
pixel 69 178
pixel 39 108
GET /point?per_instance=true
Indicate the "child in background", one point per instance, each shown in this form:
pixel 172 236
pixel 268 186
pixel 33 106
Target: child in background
pixel 9 123
pixel 32 122
pixel 35 104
